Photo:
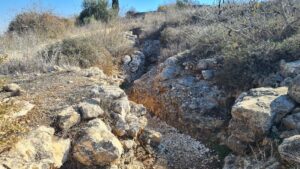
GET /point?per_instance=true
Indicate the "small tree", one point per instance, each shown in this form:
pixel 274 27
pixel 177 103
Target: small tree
pixel 94 9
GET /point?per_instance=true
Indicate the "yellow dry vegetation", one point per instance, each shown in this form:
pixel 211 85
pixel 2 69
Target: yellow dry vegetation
pixel 10 129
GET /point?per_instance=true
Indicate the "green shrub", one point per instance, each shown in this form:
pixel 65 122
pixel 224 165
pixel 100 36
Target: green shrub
pixel 44 24
pixel 95 9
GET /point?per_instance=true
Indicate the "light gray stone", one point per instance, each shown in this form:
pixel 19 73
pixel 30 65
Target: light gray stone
pixel 289 149
pixel 90 110
pixel 254 113
pixel 294 89
pixel 292 121
pixel 67 118
pixel 40 149
pixel 290 69
pixel 207 74
pixel 97 145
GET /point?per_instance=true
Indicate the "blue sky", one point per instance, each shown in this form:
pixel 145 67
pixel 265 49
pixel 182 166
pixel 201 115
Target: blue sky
pixel 9 8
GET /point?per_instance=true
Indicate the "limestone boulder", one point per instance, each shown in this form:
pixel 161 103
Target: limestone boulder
pixel 289 149
pixel 128 117
pixel 294 89
pixel 40 149
pixel 150 137
pixel 67 118
pixel 292 121
pixel 14 88
pixel 133 123
pixel 11 87
pixel 255 112
pixel 97 146
pixel 113 99
pixel 128 144
pixel 290 69
pixel 90 110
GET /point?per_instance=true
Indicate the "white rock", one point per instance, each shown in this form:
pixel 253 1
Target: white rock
pixel 97 146
pixel 150 137
pixel 289 149
pixel 129 144
pixel 255 112
pixel 290 68
pixel 126 59
pixel 39 150
pixel 12 88
pixel 67 118
pixel 294 89
pixel 90 110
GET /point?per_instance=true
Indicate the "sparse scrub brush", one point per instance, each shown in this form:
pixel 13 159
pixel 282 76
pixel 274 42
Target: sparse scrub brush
pixel 81 52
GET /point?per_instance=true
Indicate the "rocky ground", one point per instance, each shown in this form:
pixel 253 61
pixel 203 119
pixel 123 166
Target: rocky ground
pixel 167 114
pixel 75 109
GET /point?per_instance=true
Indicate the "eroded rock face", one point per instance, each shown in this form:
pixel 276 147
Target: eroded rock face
pixel 294 89
pixel 97 146
pixel 175 93
pixel 289 149
pixel 254 113
pixel 39 150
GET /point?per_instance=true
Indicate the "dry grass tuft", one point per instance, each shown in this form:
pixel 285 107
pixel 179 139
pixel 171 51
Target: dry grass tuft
pixel 98 44
pixel 10 129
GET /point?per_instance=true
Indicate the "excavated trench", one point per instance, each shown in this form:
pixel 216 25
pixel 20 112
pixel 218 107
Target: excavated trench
pixel 165 98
